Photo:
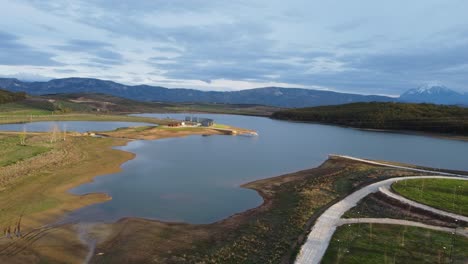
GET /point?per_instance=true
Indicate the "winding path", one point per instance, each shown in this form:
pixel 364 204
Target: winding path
pixel 389 221
pixel 322 231
pixel 386 191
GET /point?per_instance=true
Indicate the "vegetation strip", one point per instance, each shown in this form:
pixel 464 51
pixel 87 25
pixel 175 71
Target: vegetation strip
pixel 386 116
pixel 448 195
pixel 381 243
pixel 319 238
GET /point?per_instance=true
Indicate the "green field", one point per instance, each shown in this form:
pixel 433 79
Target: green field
pixel 22 109
pixel 377 243
pixel 11 151
pixel 448 195
pixel 113 104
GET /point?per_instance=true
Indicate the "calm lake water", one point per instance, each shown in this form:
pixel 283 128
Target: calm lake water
pixel 77 126
pixel 196 179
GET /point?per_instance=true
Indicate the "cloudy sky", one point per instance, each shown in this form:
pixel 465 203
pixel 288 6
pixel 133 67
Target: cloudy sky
pixel 366 46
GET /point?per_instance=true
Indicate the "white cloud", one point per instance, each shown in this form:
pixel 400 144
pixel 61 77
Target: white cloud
pixel 366 46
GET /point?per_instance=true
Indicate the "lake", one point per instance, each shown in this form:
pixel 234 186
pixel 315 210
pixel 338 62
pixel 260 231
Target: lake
pixel 196 179
pixel 77 126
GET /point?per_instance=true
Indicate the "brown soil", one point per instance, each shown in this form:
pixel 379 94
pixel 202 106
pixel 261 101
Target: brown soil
pixel 158 133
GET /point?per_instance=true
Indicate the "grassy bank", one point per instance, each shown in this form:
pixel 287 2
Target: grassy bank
pixel 4 119
pixel 269 234
pixel 445 194
pixel 11 151
pixel 377 243
pixel 40 182
pixel 35 188
pixel 21 109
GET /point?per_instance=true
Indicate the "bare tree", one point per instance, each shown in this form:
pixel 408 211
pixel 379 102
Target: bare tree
pixel 64 132
pixel 54 133
pixel 22 137
pixel 18 227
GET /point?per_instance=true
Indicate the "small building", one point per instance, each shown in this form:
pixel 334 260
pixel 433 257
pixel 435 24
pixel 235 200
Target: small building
pixel 193 119
pixel 206 122
pixel 197 121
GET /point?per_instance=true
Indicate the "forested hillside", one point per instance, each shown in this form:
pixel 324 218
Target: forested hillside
pixel 398 116
pixel 7 97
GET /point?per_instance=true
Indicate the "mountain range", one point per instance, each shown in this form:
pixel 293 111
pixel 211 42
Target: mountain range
pixel 273 96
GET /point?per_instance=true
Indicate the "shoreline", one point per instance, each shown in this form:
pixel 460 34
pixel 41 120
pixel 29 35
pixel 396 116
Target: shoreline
pixel 91 157
pixel 416 133
pixel 120 157
pixel 403 132
pixel 107 239
pixel 202 237
pixel 110 229
pixel 45 197
pixel 117 167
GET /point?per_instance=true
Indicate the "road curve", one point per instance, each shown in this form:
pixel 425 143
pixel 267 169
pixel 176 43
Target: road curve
pixel 389 221
pixel 322 231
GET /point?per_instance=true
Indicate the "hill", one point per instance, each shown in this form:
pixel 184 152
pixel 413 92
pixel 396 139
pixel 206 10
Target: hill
pixel 396 116
pixel 8 97
pixel 105 104
pixel 271 96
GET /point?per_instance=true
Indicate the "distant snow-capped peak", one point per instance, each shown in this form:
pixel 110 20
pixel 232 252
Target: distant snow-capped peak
pixel 433 93
pixel 430 89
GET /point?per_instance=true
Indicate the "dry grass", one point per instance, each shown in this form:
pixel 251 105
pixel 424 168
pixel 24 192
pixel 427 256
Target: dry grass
pixel 36 188
pixel 152 133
